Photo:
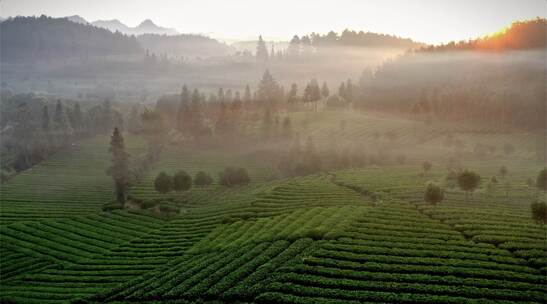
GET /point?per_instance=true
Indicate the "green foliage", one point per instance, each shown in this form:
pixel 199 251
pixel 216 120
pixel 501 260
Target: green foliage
pixel 59 186
pixel 433 193
pixel 539 211
pixel 311 239
pixel 115 205
pixel 234 177
pixel 468 180
pixel 182 181
pixel 119 170
pixel 163 183
pixel 203 179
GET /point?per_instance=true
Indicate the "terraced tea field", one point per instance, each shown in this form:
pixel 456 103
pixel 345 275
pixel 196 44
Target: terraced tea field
pixel 71 182
pixel 353 236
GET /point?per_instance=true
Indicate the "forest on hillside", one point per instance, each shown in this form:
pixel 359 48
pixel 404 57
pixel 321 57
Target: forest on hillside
pixel 466 81
pixel 40 39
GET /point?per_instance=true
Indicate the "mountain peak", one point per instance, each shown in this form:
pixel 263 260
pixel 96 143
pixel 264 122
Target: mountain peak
pixel 147 22
pixel 145 27
pixel 77 19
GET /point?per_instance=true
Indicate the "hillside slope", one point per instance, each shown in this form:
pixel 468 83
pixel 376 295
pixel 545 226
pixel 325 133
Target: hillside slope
pixel 33 39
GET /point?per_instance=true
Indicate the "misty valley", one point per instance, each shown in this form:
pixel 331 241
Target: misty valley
pixel 147 165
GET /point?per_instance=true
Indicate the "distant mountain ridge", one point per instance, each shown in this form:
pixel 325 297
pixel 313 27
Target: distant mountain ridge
pixel 145 27
pixel 44 38
pixel 115 25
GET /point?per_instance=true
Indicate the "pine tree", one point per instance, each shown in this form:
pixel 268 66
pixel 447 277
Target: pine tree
pixel 305 44
pixel 307 96
pixel 247 98
pixel 342 91
pixel 294 47
pixel 120 167
pixel 224 127
pixel 45 119
pixel 220 95
pixel 236 105
pixel 325 90
pixel 184 101
pixel 315 93
pixel 349 91
pixel 261 50
pixel 292 96
pixel 268 90
pixel 61 127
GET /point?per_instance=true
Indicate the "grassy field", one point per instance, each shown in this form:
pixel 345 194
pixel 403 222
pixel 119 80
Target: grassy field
pixel 362 235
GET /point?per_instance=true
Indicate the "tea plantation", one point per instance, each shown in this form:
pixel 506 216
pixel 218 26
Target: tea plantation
pixel 362 235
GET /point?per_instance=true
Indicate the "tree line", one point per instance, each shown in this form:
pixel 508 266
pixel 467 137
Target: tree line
pixel 34 128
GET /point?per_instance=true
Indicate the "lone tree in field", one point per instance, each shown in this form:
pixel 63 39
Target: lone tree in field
pixel 468 181
pixel 163 183
pixel 119 169
pixel 182 181
pixel 539 212
pixel 203 179
pixel 433 194
pixel 541 181
pixel 427 167
pixel 503 171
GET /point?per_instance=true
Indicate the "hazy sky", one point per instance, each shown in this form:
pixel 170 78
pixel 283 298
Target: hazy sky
pixel 431 21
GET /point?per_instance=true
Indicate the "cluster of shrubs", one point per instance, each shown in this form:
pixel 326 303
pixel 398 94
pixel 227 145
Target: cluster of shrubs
pixel 234 177
pixel 180 181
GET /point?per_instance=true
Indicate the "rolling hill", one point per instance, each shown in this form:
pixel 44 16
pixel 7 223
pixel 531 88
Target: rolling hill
pixel 34 39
